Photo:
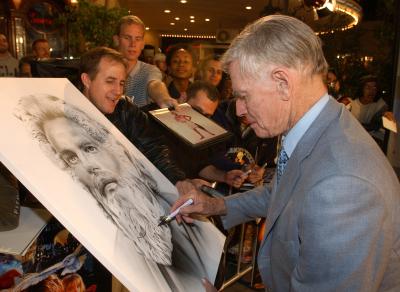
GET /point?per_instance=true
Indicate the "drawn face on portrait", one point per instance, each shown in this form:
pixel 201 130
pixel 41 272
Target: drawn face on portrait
pixel 91 155
pixel 85 156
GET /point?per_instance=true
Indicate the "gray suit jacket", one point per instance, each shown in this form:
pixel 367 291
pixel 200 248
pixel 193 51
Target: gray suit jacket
pixel 333 223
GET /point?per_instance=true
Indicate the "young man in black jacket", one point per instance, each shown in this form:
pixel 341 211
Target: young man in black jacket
pixel 103 75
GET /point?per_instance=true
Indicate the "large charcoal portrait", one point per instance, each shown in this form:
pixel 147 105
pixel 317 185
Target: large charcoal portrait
pixel 127 198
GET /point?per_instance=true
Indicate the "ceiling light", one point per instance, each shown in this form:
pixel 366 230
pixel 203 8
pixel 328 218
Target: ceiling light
pixel 172 23
pixel 183 1
pixel 248 7
pixel 192 20
pixel 167 11
pixel 185 29
pixel 191 17
pixel 147 28
pixel 177 18
pixel 207 19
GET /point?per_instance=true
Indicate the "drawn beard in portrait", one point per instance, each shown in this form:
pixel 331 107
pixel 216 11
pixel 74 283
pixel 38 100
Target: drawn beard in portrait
pixel 128 197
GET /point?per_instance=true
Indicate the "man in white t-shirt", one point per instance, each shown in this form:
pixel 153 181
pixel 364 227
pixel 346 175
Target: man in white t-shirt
pixel 144 82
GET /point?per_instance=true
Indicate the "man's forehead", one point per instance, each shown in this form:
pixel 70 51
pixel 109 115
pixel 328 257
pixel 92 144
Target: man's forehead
pixel 244 82
pixel 239 84
pixel 132 29
pixel 106 62
pixel 181 53
pixel 63 129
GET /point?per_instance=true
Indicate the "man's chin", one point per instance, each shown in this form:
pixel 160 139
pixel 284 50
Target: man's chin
pixel 109 109
pixel 260 133
pixel 131 57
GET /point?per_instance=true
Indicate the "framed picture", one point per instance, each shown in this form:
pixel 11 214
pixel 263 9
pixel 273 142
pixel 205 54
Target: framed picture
pixel 190 126
pixel 101 188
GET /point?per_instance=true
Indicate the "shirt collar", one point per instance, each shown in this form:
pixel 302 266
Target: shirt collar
pixel 136 68
pixel 294 135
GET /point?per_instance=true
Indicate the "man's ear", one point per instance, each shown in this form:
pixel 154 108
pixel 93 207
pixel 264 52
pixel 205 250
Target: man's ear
pixel 85 80
pixel 116 41
pixel 281 78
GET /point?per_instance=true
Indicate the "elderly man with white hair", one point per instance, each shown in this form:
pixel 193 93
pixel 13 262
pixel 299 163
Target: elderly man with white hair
pixel 332 209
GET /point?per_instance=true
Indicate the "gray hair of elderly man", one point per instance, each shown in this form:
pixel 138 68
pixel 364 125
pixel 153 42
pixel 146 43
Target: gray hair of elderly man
pixel 278 40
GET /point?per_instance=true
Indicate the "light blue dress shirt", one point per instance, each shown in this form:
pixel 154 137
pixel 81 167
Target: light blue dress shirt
pixel 294 135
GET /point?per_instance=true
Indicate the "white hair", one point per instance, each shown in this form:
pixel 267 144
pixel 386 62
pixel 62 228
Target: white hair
pixel 278 40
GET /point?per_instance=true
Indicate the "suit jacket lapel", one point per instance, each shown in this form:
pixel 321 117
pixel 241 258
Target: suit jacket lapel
pixel 283 192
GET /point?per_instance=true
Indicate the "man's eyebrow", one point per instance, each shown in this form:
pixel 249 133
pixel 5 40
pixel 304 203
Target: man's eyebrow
pixel 84 144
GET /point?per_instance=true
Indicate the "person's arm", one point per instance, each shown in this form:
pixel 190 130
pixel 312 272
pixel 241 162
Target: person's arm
pixel 235 209
pixel 345 237
pixel 203 205
pixel 234 178
pixel 158 92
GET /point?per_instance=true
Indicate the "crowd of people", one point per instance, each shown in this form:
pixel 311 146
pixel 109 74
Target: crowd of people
pixel 331 214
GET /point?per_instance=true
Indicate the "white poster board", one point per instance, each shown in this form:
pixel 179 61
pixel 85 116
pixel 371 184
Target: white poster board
pixel 59 180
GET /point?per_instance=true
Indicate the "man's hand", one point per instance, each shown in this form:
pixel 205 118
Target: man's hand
pixel 170 103
pixel 345 100
pixel 235 178
pixel 158 92
pixel 190 186
pixel 256 175
pixel 202 205
pixel 389 116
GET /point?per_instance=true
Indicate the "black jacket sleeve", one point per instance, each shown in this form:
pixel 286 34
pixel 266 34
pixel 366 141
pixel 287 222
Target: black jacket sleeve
pixel 136 126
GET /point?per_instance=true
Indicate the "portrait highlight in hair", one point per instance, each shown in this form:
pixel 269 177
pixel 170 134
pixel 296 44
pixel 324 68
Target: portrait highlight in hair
pixel 119 182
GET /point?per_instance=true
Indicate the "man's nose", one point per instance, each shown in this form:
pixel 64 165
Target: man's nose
pixel 240 107
pixel 92 166
pixel 92 169
pixel 132 42
pixel 118 89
